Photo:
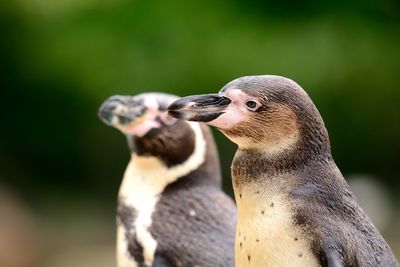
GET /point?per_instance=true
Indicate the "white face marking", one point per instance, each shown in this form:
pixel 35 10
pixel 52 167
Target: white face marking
pixel 283 144
pixel 141 129
pixel 270 149
pixel 151 104
pixel 235 112
pixel 146 178
pixel 241 141
pixel 265 233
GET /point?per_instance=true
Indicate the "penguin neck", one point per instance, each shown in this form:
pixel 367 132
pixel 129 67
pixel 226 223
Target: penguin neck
pixel 256 165
pixel 172 145
pixel 153 171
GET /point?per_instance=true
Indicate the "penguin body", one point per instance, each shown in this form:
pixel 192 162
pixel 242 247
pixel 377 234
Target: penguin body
pixel 265 233
pixel 171 209
pixel 294 206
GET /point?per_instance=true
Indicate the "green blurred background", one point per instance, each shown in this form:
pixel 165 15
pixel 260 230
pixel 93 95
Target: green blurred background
pixel 60 167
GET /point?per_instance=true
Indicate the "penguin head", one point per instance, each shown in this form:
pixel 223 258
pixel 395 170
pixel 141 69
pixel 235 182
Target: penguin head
pixel 267 112
pixel 151 131
pixel 137 115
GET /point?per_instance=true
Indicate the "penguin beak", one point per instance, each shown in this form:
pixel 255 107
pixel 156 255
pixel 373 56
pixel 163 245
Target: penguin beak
pixel 128 115
pixel 203 108
pixel 121 110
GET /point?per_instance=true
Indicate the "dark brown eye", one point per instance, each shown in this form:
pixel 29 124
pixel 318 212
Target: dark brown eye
pixel 251 104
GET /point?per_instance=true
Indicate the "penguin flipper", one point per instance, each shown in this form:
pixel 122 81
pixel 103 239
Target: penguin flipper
pixel 331 258
pixel 161 261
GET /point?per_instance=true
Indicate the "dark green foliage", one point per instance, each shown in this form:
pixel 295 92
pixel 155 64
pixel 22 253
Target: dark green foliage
pixel 61 59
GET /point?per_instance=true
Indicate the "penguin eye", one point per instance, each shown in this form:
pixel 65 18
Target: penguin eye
pixel 251 104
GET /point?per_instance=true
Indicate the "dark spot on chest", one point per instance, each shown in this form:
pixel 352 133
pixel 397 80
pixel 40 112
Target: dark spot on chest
pixel 301 220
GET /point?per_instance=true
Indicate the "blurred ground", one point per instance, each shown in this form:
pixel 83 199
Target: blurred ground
pixel 60 167
pixel 83 235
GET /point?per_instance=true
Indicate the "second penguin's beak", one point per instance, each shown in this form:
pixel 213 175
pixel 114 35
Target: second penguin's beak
pixel 119 111
pixel 203 108
pixel 128 115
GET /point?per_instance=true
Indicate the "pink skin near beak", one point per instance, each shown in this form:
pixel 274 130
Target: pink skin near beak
pixel 150 120
pixel 234 113
pixel 141 129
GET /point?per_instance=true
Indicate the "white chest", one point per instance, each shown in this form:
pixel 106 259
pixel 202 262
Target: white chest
pixel 266 234
pixel 144 180
pixel 140 190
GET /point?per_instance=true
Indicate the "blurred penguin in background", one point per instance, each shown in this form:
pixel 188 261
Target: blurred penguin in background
pixel 171 208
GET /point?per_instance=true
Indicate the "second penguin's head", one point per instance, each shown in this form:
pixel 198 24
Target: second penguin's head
pixel 151 132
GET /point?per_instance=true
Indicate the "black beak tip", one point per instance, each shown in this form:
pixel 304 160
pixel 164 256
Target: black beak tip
pixel 104 116
pixel 178 104
pixel 105 112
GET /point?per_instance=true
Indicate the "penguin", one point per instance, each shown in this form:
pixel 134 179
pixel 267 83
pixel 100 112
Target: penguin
pixel 171 209
pixel 294 206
